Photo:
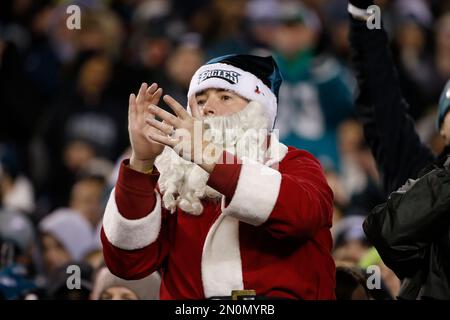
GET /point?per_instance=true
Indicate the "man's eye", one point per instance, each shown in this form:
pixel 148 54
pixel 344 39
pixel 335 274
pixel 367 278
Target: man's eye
pixel 200 103
pixel 226 97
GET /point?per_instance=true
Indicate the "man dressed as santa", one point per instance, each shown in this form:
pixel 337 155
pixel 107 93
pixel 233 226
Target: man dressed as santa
pixel 213 201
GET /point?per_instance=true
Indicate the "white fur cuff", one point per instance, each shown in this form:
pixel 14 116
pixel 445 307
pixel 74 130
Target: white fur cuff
pixel 131 234
pixel 255 195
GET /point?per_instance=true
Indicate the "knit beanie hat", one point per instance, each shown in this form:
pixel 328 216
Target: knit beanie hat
pixel 252 77
pixel 145 289
pixel 72 230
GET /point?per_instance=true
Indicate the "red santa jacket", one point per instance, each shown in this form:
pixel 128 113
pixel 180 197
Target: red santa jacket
pixel 270 233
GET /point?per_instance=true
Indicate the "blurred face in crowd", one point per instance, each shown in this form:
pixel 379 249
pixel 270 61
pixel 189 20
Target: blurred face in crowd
pixel 229 15
pixel 263 32
pixel 230 8
pixel 154 52
pixel 6 184
pixel 350 283
pixel 183 63
pixel 118 293
pixel 411 36
pixel 340 41
pixel 445 129
pixel 94 75
pixel 91 39
pixel 352 251
pixel 436 143
pixel 41 22
pixel 94 259
pixel 292 37
pixel 54 254
pixel 86 199
pixel 341 197
pixel 77 154
pixel 350 137
pixel 100 30
pixel 443 33
pixel 359 294
pixel 219 102
pixel 351 146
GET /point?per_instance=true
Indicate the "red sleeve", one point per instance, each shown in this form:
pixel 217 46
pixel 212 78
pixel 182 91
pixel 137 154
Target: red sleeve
pixel 293 202
pixel 135 198
pixel 224 177
pixel 135 191
pixel 139 263
pixel 305 201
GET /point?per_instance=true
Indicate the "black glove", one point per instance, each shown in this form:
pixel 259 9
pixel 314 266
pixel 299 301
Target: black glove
pixel 361 4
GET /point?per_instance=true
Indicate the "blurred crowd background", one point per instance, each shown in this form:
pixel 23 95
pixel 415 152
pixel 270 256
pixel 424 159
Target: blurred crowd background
pixel 64 102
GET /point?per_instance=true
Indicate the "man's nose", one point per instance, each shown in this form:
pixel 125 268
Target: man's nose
pixel 208 108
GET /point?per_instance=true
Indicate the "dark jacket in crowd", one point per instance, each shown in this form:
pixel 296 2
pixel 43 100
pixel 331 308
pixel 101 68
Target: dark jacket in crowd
pixel 411 231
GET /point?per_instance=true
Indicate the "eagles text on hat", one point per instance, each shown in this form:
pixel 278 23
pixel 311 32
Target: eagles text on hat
pixel 230 76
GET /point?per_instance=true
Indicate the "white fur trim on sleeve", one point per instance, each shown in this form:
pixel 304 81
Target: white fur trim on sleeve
pixel 131 234
pixel 256 193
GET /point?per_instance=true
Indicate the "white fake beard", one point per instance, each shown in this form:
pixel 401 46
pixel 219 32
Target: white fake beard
pixel 183 183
